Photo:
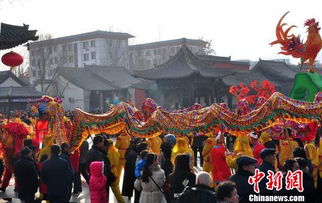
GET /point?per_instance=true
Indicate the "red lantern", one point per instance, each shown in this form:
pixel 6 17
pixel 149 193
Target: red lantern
pixel 12 59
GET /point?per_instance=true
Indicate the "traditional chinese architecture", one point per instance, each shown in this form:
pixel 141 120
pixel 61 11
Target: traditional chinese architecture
pixel 15 94
pixel 279 73
pixel 186 79
pixel 12 35
pixel 94 87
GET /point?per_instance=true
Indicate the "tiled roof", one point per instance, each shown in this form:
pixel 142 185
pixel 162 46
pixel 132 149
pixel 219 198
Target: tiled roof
pixel 85 79
pixel 183 64
pixel 18 92
pixel 118 76
pixel 4 75
pixel 12 35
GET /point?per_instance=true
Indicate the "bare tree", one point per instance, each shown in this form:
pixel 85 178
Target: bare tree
pixel 208 50
pixel 114 52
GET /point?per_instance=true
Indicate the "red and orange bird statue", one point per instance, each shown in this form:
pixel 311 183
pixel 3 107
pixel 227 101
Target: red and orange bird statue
pixel 294 46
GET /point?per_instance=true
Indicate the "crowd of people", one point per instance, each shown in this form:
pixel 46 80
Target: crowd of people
pixel 215 167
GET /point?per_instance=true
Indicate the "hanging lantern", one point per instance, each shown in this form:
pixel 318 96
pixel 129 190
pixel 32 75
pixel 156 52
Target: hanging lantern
pixel 12 59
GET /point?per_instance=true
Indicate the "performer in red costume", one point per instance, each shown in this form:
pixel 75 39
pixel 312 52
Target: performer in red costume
pixel 221 171
pixel 257 147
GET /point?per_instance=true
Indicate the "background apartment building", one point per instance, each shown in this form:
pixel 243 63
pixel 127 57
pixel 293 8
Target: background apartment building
pixel 150 55
pixel 92 48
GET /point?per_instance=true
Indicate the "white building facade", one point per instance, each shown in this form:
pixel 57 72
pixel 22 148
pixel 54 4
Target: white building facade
pixel 94 48
pixel 149 55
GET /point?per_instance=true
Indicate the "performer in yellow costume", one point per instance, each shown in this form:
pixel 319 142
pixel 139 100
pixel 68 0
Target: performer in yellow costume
pixel 241 147
pixel 113 156
pixel 45 150
pixel 313 155
pixel 155 144
pixel 182 147
pixel 286 150
pixel 206 153
pixel 122 143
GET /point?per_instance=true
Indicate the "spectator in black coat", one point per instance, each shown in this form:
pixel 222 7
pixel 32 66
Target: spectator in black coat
pixel 246 168
pixel 82 161
pixel 182 176
pixel 308 181
pixel 300 152
pixel 65 148
pixel 58 177
pixel 199 193
pixel 197 146
pixel 98 153
pixel 166 163
pixel 131 156
pixel 26 176
pixel 268 157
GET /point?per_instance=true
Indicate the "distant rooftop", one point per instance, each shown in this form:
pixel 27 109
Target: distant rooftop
pixel 151 45
pixel 85 36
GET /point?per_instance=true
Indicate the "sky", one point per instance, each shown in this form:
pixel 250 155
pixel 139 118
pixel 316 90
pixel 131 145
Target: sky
pixel 241 29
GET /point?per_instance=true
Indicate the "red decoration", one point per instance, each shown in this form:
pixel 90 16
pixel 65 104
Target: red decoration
pixel 12 59
pixel 264 91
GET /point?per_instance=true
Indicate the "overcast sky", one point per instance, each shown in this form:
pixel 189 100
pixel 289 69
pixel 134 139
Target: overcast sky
pixel 241 29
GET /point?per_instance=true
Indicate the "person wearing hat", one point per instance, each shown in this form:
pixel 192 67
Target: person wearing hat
pixel 257 147
pixel 246 168
pixel 26 176
pixel 268 157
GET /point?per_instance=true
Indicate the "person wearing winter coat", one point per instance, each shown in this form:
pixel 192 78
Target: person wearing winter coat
pixel 97 183
pixel 201 192
pixel 182 176
pixel 58 176
pixel 151 182
pixel 129 170
pixel 82 161
pixel 26 176
pixel 246 168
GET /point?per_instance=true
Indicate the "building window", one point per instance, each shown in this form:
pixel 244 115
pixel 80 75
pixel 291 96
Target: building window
pixel 148 53
pixel 50 50
pixel 70 47
pixel 51 61
pixel 93 43
pixel 86 57
pixel 55 49
pixel 85 45
pixel 33 73
pixel 64 48
pixel 172 50
pixel 93 55
pixel 159 51
pixel 70 59
pixel 154 52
